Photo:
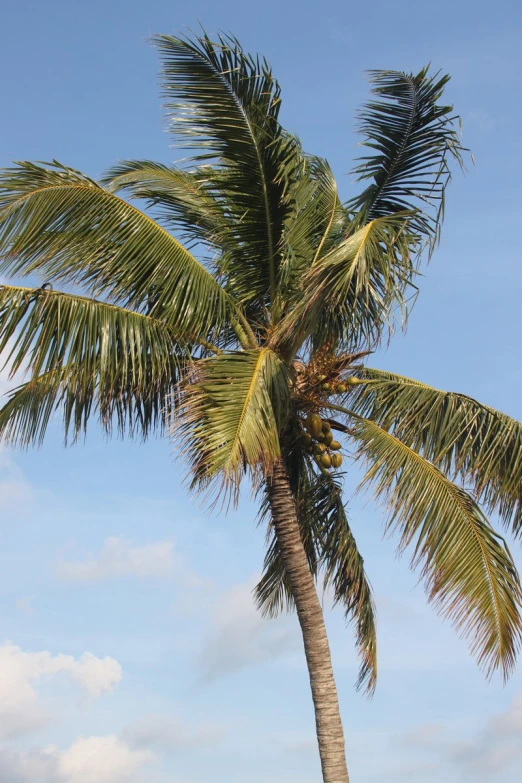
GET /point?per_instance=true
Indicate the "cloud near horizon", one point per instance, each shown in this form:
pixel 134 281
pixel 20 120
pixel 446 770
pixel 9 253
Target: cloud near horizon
pixel 241 637
pixel 21 712
pixel 495 748
pixel 87 760
pixel 120 558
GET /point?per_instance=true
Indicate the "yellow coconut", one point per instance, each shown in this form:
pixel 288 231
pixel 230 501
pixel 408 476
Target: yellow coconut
pixel 326 461
pixel 314 424
pixel 337 460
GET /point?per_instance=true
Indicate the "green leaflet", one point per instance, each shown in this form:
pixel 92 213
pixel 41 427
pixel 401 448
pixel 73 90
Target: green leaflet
pixel 461 436
pixel 234 406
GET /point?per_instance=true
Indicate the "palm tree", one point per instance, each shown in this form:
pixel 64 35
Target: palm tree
pixel 240 317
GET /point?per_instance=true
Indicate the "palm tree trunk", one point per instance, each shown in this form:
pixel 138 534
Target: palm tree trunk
pixel 329 728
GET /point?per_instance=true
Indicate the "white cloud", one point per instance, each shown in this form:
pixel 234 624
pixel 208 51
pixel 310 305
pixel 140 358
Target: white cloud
pixel 101 760
pixel 27 766
pixel 88 760
pixel 20 709
pixel 121 558
pixel 494 750
pixel 241 637
pixel 168 733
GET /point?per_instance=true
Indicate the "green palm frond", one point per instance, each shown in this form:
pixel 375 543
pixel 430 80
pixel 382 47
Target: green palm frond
pixel 59 223
pixel 182 199
pixel 332 555
pixel 25 415
pixel 344 570
pixel 273 593
pixel 88 355
pixel 354 292
pixel 314 224
pixel 460 435
pixel 412 138
pixel 469 572
pixel 232 411
pixel 224 104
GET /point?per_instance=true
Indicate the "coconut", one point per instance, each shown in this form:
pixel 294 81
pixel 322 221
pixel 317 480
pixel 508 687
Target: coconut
pixel 314 424
pixel 335 445
pixel 326 460
pixel 337 460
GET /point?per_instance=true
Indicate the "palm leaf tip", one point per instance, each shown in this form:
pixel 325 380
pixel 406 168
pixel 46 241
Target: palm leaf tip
pixel 469 572
pixel 61 225
pixel 87 356
pixel 343 568
pixel 223 104
pixel 412 138
pixel 464 438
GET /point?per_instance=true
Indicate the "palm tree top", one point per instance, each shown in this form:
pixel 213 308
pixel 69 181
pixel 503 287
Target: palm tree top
pixel 245 296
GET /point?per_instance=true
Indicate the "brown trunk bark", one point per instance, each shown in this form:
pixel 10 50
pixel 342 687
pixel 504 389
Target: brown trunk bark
pixel 324 692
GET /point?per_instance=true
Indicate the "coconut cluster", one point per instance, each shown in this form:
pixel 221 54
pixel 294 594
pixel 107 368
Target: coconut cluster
pixel 335 386
pixel 317 438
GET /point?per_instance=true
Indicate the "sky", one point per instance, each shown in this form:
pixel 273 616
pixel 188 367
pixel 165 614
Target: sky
pixel 130 649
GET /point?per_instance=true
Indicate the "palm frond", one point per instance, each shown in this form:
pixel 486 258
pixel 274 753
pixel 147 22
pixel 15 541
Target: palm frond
pixel 273 593
pixel 344 570
pixel 312 227
pixel 412 138
pixel 464 438
pixel 332 555
pixel 88 356
pixel 354 292
pixel 224 105
pixel 232 411
pixel 182 199
pixel 469 572
pixel 59 223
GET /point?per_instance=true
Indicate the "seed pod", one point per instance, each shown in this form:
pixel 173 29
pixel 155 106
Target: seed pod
pixel 335 445
pixel 314 424
pixel 353 381
pixel 326 461
pixel 319 448
pixel 320 465
pixel 337 460
pixel 305 439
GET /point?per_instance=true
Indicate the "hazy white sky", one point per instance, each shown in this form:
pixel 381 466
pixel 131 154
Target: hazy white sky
pixel 130 650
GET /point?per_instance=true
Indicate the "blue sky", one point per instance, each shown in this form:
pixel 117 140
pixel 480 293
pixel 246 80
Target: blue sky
pixel 130 649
